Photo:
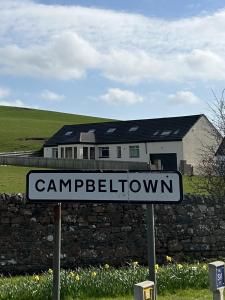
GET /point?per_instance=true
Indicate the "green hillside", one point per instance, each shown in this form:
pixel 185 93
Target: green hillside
pixel 27 129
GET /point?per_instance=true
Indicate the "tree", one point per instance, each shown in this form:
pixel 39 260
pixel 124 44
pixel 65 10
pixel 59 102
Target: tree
pixel 211 169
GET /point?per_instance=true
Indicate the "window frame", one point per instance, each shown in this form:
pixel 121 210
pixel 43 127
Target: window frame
pixel 132 153
pixel 100 152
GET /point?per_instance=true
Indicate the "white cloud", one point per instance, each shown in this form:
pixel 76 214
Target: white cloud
pixel 51 96
pixel 65 57
pixel 183 97
pixel 116 96
pixel 4 92
pixel 64 42
pixel 17 103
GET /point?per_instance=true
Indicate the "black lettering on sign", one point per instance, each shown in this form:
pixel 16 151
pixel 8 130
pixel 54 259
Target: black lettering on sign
pixel 123 184
pixel 111 187
pixel 90 185
pixel 149 186
pixel 135 186
pixel 38 187
pixel 168 187
pixel 51 186
pixel 78 184
pixel 102 186
pixel 64 184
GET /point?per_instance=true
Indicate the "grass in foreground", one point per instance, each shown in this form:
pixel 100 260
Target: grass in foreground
pixel 107 282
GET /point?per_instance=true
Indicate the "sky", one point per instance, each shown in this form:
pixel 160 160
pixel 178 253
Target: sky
pixel 119 59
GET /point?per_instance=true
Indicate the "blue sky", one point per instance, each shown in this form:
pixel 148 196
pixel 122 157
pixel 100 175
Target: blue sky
pixel 121 59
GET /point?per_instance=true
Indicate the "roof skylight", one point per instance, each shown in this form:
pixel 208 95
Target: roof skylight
pixel 68 133
pixel 134 128
pixel 91 130
pixel 176 131
pixel 166 132
pixel 111 130
pixel 156 132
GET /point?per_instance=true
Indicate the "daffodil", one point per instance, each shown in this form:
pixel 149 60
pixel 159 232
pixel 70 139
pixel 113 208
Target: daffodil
pixel 77 277
pixel 106 266
pixel 179 266
pixel 50 271
pixel 168 258
pixel 36 278
pixel 72 274
pixel 204 267
pixel 156 268
pixel 135 263
pixel 93 274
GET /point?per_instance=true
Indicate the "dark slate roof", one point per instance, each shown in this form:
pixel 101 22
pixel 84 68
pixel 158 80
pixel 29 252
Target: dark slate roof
pixel 146 130
pixel 221 150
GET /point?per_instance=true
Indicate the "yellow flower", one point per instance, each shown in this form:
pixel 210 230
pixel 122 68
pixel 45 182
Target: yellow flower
pixel 168 258
pixel 156 268
pixel 50 271
pixel 179 266
pixel 77 278
pixel 93 274
pixel 72 274
pixel 135 263
pixel 106 266
pixel 36 278
pixel 204 267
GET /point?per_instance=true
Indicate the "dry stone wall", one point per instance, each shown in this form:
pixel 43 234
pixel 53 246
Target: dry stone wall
pixel 109 233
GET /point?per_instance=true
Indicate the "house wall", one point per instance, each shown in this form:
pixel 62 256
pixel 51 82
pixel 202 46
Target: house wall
pixel 48 152
pixel 198 139
pixel 145 149
pixel 167 147
pixel 125 156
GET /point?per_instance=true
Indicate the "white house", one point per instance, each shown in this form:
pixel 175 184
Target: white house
pixel 175 143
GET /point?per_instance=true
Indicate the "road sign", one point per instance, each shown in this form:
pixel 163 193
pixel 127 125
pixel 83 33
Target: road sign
pixel 121 186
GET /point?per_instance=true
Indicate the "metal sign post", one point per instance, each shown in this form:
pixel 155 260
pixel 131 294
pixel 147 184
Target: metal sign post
pixel 57 252
pixel 151 245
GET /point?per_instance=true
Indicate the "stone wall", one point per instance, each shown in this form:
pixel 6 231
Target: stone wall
pixel 111 233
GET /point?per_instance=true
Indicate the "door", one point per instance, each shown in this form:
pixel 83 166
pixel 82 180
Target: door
pixel 168 160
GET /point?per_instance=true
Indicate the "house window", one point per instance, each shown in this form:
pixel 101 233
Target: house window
pixel 55 152
pixel 118 151
pixel 62 153
pixel 166 132
pixel 68 152
pixel 103 152
pixel 156 132
pixel 134 128
pixel 85 152
pixel 134 151
pixel 176 131
pixel 68 133
pixel 111 130
pixel 92 152
pixel 74 152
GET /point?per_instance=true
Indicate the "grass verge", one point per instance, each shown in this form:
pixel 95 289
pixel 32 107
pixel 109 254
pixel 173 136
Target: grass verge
pixel 108 282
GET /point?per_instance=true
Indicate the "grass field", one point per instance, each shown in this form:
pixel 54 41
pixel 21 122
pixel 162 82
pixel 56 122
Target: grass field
pixel 13 180
pixel 26 129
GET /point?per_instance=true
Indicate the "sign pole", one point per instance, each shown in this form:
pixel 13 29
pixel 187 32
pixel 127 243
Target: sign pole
pixel 57 252
pixel 151 245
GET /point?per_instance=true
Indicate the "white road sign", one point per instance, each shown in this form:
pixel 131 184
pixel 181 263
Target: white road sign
pixel 122 186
